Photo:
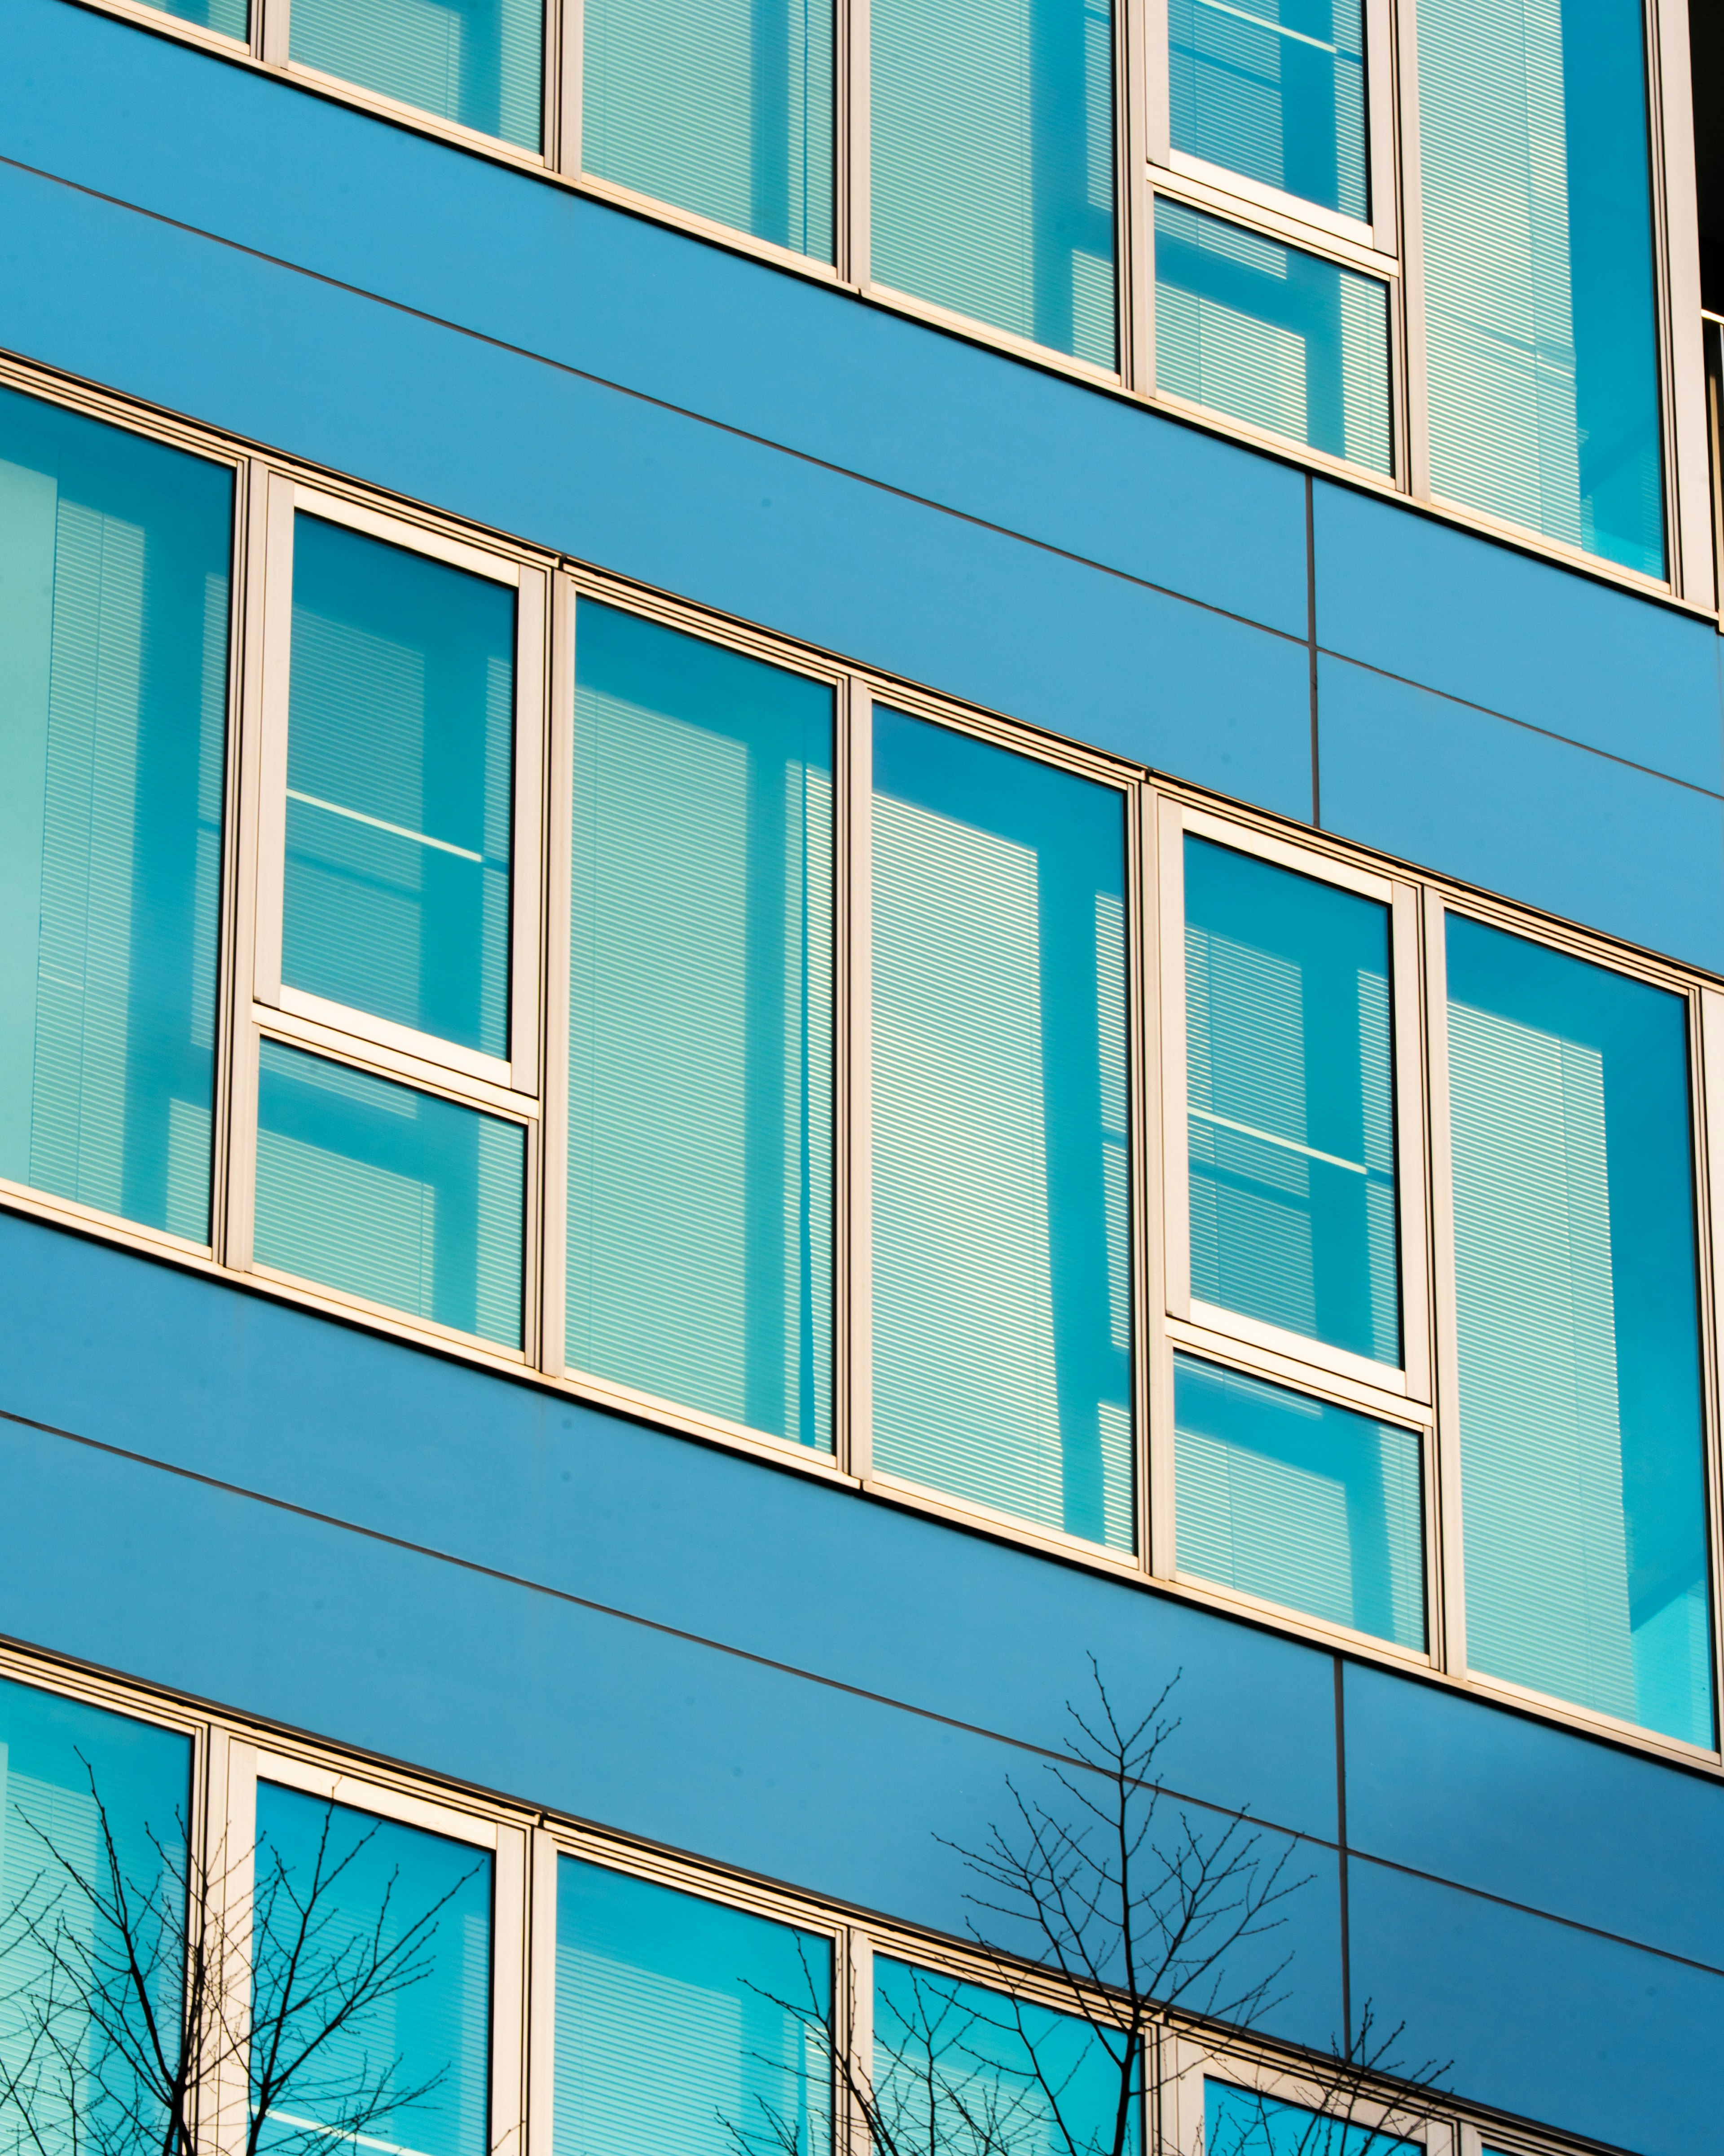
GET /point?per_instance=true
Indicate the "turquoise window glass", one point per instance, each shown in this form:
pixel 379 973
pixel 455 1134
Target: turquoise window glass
pixel 1582 1484
pixel 1002 1273
pixel 700 1084
pixel 1540 338
pixel 723 107
pixel 1303 1503
pixel 1274 89
pixel 229 16
pixel 382 1192
pixel 65 1770
pixel 113 569
pixel 478 63
pixel 992 175
pixel 422 1904
pixel 685 2025
pixel 399 785
pixel 1289 1092
pixel 1242 2122
pixel 1271 336
pixel 959 2067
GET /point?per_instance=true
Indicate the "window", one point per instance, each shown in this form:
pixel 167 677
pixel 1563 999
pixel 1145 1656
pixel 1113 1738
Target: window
pixel 1241 2121
pixel 398 817
pixel 725 110
pixel 699 1184
pixel 1002 1292
pixel 992 189
pixel 1541 348
pixel 227 17
pixel 683 2023
pixel 1577 1332
pixel 1272 335
pixel 476 61
pixel 114 600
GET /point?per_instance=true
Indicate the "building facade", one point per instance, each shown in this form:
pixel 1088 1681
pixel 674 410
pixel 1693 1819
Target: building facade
pixel 852 854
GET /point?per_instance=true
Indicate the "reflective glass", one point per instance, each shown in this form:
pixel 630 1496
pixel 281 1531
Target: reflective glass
pixel 1241 2123
pixel 114 559
pixel 1291 1095
pixel 699 1156
pixel 400 759
pixel 229 16
pixel 1583 1486
pixel 1002 1272
pixel 341 1894
pixel 993 175
pixel 1540 341
pixel 1271 336
pixel 1275 89
pixel 723 107
pixel 683 2025
pixel 476 61
pixel 965 2071
pixel 67 1772
pixel 382 1192
pixel 1303 1503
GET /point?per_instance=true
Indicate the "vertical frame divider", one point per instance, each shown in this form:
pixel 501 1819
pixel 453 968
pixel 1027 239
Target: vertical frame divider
pixel 852 1287
pixel 1415 374
pixel 1176 1196
pixel 1709 1222
pixel 1448 1618
pixel 853 96
pixel 1137 235
pixel 269 31
pixel 1380 124
pixel 230 1837
pixel 567 54
pixel 527 1048
pixel 234 866
pixel 554 1090
pixel 1688 517
pixel 1153 1368
pixel 1407 1039
pixel 542 1994
pixel 508 2000
pixel 857 2037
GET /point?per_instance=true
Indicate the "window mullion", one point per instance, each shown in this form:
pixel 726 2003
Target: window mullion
pixel 563 148
pixel 853 1316
pixel 1448 1621
pixel 852 192
pixel 1157 1178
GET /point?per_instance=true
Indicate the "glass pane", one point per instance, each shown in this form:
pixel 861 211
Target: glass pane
pixel 1240 2123
pixel 114 556
pixel 1271 336
pixel 959 2068
pixel 1275 89
pixel 371 1982
pixel 699 1193
pixel 1583 1505
pixel 476 61
pixel 1301 1502
pixel 388 1194
pixel 229 16
pixel 400 759
pixel 723 107
pixel 1290 1089
pixel 993 179
pixel 1541 346
pixel 1002 1270
pixel 682 2026
pixel 67 1773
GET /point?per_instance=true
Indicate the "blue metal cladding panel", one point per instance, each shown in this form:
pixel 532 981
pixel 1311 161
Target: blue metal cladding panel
pixel 1416 598
pixel 555 457
pixel 1517 1808
pixel 1452 787
pixel 1586 2033
pixel 150 122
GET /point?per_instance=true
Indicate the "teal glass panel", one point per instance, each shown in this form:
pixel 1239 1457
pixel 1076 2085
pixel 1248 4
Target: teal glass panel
pixel 700 1084
pixel 340 1893
pixel 1582 1483
pixel 1272 335
pixel 967 2072
pixel 478 63
pixel 113 569
pixel 1289 1092
pixel 1243 2122
pixel 229 16
pixel 1002 1270
pixel 723 107
pixel 400 766
pixel 67 1772
pixel 1305 1504
pixel 1540 338
pixel 685 2025
pixel 993 175
pixel 1275 89
pixel 382 1192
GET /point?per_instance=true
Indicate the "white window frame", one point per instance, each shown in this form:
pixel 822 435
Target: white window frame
pixel 237 1766
pixel 1189 2063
